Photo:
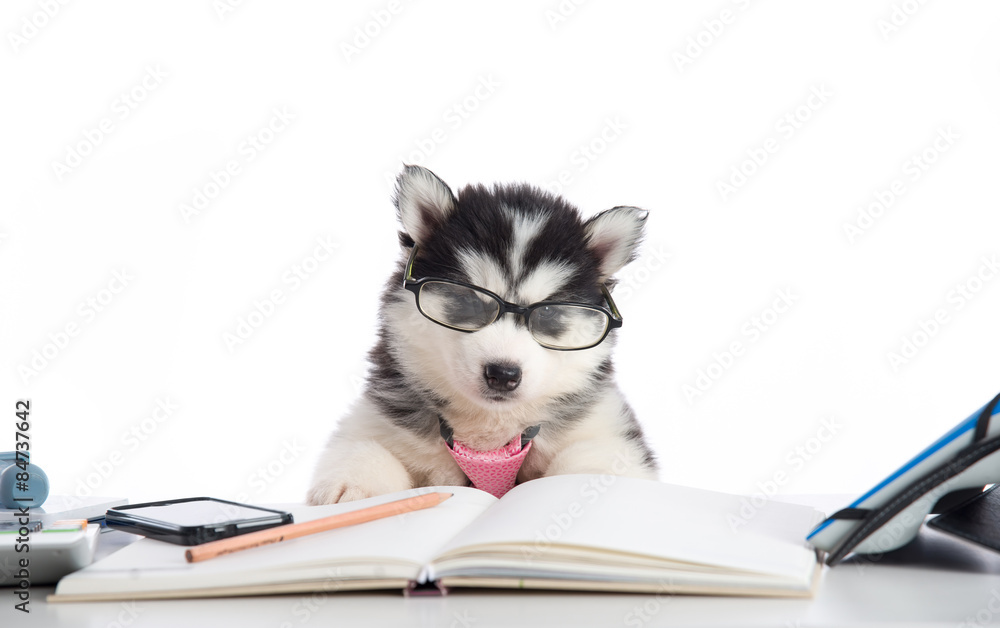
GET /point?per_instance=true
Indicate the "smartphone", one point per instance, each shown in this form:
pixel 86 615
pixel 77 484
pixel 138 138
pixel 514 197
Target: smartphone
pixel 194 520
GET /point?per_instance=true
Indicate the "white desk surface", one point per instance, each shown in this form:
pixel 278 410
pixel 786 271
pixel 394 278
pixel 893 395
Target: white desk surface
pixel 935 580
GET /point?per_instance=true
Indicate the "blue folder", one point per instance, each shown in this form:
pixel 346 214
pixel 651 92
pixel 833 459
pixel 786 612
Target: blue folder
pixel 949 474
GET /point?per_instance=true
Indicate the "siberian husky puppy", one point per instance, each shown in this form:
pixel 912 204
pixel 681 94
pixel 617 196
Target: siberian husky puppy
pixel 497 322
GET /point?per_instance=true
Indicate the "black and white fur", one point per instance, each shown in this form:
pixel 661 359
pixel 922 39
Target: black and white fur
pixel 527 246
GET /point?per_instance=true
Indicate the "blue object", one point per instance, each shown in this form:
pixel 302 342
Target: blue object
pixel 954 467
pixel 14 493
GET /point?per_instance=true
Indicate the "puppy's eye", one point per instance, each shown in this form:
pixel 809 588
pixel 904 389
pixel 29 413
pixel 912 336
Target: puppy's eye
pixel 468 303
pixel 457 306
pixel 546 312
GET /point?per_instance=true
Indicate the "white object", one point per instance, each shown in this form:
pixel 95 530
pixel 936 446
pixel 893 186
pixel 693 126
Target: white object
pixel 588 532
pixel 50 555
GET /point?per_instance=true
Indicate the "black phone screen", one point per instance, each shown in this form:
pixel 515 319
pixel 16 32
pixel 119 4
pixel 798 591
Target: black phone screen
pixel 194 520
pixel 201 513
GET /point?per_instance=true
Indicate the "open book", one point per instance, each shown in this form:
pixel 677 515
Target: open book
pixel 569 532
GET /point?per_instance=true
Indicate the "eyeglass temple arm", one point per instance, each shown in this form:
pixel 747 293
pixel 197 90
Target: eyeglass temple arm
pixel 611 302
pixel 408 273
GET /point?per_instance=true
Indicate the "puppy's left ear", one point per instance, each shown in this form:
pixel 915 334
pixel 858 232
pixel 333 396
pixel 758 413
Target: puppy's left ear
pixel 423 201
pixel 614 236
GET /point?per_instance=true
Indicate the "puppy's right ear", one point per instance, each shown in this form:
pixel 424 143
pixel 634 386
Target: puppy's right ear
pixel 423 201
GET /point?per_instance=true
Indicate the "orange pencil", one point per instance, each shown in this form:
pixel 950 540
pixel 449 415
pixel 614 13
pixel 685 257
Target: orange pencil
pixel 295 530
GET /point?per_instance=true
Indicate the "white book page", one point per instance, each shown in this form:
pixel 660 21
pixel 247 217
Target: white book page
pixel 407 541
pixel 647 518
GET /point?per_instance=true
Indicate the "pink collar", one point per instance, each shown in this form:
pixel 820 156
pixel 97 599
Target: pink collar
pixel 493 471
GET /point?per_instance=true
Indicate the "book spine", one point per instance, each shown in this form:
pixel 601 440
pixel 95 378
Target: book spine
pixel 430 588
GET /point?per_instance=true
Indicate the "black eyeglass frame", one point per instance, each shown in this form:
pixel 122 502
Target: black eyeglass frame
pixel 413 285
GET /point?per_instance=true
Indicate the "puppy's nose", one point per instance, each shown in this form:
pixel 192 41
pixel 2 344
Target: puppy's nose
pixel 503 377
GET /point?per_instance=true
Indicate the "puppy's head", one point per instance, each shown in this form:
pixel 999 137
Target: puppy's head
pixel 525 246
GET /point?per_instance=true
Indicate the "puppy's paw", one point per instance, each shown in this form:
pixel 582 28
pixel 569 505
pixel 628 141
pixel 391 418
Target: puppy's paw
pixel 363 491
pixel 336 491
pixel 325 493
pixel 348 490
pixel 369 470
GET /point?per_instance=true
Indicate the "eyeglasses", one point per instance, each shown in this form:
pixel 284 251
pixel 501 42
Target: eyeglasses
pixel 553 324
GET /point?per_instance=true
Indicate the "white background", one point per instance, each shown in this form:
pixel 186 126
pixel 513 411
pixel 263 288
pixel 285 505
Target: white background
pixel 673 129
